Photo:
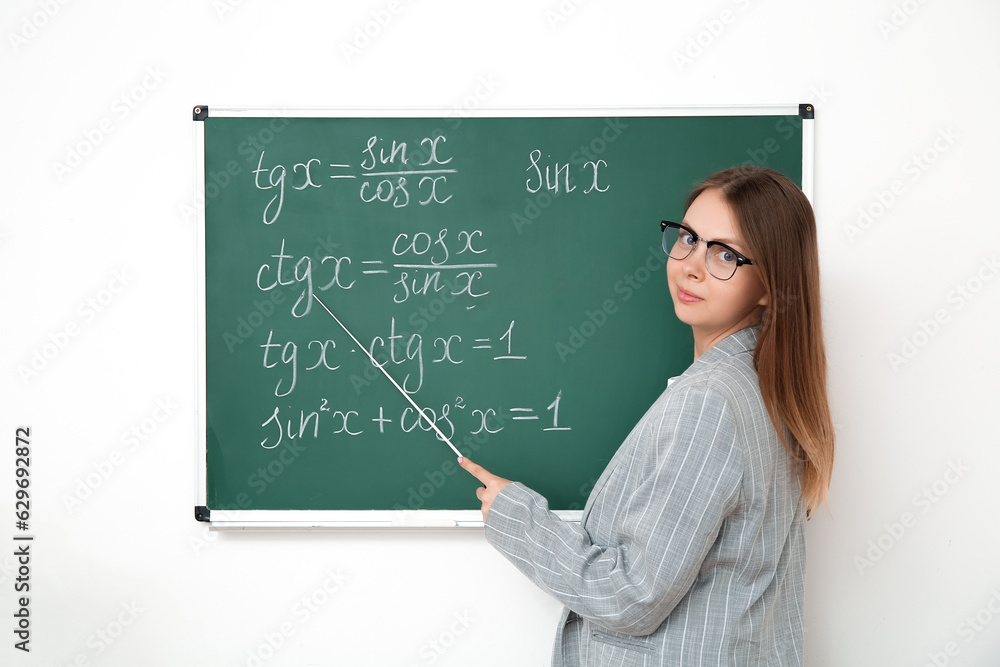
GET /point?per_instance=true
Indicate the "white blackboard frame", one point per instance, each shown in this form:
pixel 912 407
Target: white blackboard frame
pixel 240 519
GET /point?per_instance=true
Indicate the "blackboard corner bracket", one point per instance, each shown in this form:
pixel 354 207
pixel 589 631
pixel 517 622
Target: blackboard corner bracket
pixel 200 112
pixel 806 111
pixel 202 513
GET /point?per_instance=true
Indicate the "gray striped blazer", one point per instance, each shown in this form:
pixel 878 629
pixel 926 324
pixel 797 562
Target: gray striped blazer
pixel 691 549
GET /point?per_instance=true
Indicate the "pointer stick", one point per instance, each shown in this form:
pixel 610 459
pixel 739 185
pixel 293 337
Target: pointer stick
pixel 386 373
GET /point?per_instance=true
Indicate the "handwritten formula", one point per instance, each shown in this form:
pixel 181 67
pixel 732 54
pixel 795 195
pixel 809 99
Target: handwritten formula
pixel 416 267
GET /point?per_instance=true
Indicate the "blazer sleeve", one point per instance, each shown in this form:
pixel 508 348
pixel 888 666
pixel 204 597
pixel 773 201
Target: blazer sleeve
pixel 666 509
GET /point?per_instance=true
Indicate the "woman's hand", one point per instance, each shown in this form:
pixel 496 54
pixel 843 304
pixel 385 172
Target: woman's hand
pixel 493 484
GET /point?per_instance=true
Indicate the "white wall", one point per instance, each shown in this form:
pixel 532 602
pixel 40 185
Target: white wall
pixel 895 577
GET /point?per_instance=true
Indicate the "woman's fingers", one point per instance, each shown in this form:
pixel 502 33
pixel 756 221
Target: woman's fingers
pixel 477 471
pixel 492 485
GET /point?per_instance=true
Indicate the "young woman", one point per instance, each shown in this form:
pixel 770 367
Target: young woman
pixel 691 547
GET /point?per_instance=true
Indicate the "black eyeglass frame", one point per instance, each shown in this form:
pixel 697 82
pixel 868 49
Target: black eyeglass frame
pixel 740 258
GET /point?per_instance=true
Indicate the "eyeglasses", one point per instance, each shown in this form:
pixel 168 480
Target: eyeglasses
pixel 720 260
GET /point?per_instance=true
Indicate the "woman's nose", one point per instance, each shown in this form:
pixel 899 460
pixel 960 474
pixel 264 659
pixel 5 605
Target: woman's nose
pixel 694 264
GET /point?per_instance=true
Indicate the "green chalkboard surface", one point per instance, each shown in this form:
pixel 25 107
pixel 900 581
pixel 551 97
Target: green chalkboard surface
pixel 506 270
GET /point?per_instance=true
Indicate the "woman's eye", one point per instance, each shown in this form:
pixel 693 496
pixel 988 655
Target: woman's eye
pixel 687 239
pixel 723 255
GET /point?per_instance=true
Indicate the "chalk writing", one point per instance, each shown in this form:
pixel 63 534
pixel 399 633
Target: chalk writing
pixel 290 423
pixel 302 272
pixel 431 267
pixel 414 278
pixel 397 349
pixel 557 178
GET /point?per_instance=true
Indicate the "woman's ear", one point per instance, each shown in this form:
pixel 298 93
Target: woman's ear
pixel 763 301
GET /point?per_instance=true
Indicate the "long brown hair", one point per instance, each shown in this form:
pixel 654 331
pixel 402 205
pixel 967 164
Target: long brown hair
pixel 778 228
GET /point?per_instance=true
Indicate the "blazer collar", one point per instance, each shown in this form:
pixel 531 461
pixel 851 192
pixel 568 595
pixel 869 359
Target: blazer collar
pixel 744 340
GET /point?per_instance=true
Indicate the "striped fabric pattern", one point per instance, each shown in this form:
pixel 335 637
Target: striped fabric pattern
pixel 691 549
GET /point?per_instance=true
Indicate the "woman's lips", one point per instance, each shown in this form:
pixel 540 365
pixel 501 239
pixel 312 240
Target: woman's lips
pixel 687 297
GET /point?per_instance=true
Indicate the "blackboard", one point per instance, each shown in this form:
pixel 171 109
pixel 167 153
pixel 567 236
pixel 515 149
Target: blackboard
pixel 506 269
